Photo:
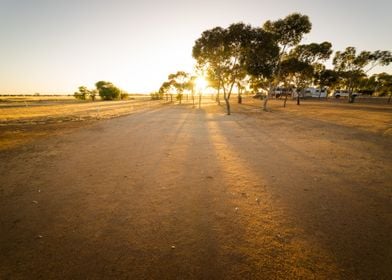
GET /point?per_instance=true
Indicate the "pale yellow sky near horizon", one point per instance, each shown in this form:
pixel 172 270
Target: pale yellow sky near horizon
pixel 54 46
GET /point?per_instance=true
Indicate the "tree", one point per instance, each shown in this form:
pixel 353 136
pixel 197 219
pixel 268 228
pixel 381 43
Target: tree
pixel 352 66
pixel 302 63
pixel 288 33
pixel 326 78
pixel 298 73
pixel 107 91
pixel 82 93
pixel 382 84
pixel 85 93
pixel 180 81
pixel 191 86
pixel 166 88
pixel 221 53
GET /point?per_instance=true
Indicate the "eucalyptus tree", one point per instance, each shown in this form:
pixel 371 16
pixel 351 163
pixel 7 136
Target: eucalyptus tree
pixel 352 66
pixel 302 63
pixel 325 78
pixel 298 73
pixel 222 53
pixel 382 84
pixel 288 33
pixel 180 81
pixel 166 89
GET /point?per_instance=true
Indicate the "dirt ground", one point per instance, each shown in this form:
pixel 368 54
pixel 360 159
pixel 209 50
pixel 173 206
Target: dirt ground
pixel 175 192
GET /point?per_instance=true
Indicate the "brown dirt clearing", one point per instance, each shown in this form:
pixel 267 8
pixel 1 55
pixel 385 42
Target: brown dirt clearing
pixel 172 192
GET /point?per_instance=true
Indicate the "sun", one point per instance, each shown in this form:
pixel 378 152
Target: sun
pixel 201 83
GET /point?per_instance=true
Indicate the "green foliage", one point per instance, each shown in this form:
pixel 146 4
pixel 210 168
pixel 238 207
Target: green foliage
pixel 180 81
pixel 297 73
pixel 326 78
pixel 228 55
pixel 288 32
pixel 312 53
pixel 107 91
pixel 262 55
pixel 166 87
pixel 84 93
pixel 352 66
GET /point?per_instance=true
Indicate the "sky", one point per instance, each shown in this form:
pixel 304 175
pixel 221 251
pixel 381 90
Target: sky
pixel 55 46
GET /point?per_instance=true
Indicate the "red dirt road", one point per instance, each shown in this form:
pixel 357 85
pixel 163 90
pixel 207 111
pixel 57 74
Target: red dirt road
pixel 181 193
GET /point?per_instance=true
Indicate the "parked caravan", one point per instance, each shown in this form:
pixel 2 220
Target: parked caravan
pixel 312 92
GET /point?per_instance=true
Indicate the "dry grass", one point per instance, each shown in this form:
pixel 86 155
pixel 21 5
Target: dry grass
pixel 375 118
pixel 33 110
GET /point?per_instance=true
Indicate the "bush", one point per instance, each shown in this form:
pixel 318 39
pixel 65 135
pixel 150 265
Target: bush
pixel 124 96
pixel 79 95
pixel 107 91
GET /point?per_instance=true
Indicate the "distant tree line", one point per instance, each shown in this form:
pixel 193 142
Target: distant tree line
pixel 106 90
pixel 265 58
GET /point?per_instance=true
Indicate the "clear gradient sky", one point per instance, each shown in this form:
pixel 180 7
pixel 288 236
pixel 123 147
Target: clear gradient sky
pixel 54 46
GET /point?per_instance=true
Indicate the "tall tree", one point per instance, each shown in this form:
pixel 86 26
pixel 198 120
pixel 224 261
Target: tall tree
pixel 288 33
pixel 302 63
pixel 222 52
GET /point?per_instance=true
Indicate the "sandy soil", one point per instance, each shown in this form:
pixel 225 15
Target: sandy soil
pixel 179 193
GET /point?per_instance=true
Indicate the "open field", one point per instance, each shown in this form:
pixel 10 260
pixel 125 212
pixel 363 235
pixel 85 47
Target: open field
pixel 20 122
pixel 175 192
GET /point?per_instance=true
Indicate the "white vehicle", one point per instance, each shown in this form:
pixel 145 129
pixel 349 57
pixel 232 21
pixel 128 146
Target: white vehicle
pixel 344 93
pixel 312 92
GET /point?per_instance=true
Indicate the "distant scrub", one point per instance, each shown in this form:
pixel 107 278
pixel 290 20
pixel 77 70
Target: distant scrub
pixel 156 95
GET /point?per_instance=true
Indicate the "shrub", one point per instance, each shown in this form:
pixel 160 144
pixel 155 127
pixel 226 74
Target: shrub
pixel 107 91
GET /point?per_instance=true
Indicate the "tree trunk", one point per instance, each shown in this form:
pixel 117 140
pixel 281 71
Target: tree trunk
pixel 239 98
pixel 199 101
pixel 298 99
pixel 350 93
pixel 285 100
pixel 226 98
pixel 171 97
pixel 227 105
pixel 218 97
pixel 389 99
pixel 265 103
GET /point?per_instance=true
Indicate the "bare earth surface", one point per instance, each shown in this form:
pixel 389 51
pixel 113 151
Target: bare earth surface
pixel 179 193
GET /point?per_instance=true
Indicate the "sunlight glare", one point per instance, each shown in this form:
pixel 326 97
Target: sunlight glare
pixel 201 83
